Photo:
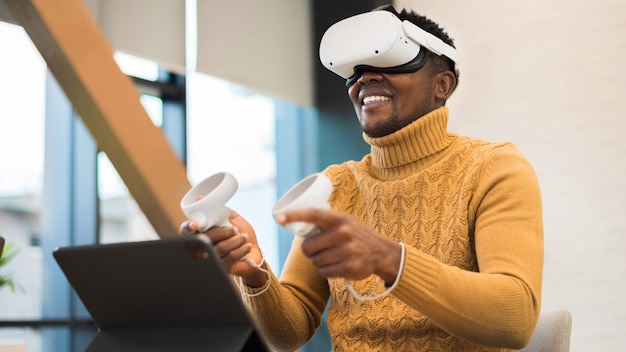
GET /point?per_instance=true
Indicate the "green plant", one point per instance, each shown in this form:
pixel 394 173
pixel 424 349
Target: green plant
pixel 8 253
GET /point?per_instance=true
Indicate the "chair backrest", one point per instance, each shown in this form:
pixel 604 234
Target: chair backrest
pixel 552 333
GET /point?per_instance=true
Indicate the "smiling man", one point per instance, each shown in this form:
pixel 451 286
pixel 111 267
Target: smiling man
pixel 434 241
pixel 385 103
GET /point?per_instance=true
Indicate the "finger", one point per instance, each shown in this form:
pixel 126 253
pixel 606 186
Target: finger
pixel 188 228
pixel 333 236
pixel 226 246
pixel 325 257
pixel 330 263
pixel 331 271
pixel 233 215
pixel 235 256
pixel 340 270
pixel 348 269
pixel 221 233
pixel 320 217
pixel 236 220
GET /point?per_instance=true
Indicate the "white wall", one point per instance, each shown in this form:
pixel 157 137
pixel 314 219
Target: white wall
pixel 159 36
pixel 263 45
pixel 551 77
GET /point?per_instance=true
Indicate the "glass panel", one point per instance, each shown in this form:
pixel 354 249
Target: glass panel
pixel 232 129
pixel 121 219
pixel 137 67
pixel 22 82
pixel 154 108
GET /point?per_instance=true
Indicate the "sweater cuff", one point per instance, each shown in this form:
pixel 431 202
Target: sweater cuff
pixel 253 291
pixel 252 298
pixel 418 277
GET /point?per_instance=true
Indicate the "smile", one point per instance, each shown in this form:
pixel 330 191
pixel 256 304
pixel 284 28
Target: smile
pixel 375 98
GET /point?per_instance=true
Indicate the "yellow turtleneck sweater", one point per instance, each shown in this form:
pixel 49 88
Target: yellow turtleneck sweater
pixel 469 214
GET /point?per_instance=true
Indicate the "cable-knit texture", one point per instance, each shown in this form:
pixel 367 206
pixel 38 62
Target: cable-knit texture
pixel 469 213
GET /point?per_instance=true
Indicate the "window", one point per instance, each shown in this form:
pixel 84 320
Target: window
pixel 57 189
pixel 22 80
pixel 232 129
pixel 120 218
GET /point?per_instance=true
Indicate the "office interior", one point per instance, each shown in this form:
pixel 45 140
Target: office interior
pixel 237 86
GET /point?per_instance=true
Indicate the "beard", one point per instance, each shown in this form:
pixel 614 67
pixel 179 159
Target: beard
pixel 381 128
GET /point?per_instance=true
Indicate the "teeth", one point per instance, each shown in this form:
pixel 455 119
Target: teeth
pixel 373 98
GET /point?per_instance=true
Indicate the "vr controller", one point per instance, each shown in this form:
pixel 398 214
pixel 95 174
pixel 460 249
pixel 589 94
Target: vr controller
pixel 378 40
pixel 205 203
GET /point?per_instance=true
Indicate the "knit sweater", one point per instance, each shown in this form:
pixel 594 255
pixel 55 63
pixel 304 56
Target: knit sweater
pixel 469 214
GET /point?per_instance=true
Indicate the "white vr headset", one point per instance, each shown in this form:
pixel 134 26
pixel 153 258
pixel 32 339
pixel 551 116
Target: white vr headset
pixel 378 41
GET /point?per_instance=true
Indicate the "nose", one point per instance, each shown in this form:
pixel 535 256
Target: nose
pixel 368 76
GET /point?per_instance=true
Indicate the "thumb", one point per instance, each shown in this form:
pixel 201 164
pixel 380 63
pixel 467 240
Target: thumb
pixel 188 227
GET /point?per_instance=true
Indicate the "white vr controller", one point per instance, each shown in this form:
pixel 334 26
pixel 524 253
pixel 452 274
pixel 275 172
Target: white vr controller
pixel 312 191
pixel 205 203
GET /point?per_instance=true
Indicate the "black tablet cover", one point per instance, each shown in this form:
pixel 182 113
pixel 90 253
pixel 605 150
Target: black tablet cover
pixel 159 294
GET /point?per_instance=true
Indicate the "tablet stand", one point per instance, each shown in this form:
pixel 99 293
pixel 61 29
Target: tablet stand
pixel 223 339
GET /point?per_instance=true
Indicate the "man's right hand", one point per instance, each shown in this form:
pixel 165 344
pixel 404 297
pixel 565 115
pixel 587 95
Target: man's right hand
pixel 234 244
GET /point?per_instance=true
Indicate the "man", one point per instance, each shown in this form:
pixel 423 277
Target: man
pixel 450 227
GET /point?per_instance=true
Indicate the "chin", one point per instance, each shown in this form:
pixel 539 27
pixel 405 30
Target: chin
pixel 375 133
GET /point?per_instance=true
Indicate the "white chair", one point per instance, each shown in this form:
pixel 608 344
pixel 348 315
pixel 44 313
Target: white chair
pixel 13 346
pixel 552 333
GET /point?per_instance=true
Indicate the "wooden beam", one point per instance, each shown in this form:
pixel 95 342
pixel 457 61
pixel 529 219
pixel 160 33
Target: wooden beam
pixel 81 60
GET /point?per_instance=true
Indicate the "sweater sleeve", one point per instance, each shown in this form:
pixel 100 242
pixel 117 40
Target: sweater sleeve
pixel 290 311
pixel 499 305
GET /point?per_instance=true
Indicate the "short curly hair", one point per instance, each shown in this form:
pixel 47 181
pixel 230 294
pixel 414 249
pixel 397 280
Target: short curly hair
pixel 440 63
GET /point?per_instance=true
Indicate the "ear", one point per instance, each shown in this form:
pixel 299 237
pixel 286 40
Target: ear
pixel 446 84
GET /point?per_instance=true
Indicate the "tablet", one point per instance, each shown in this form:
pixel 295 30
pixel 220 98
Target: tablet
pixel 172 291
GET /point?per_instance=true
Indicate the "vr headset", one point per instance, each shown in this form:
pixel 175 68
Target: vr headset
pixel 378 41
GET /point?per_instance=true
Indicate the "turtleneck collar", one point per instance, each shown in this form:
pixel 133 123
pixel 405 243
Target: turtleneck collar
pixel 421 138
